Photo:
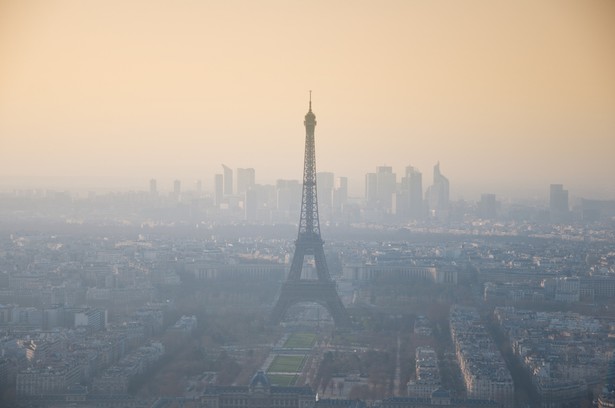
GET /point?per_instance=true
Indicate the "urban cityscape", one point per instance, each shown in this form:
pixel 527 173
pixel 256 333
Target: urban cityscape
pixel 152 299
pixel 185 224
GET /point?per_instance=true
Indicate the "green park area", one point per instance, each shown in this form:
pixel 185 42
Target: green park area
pixel 300 340
pixel 286 364
pixel 282 380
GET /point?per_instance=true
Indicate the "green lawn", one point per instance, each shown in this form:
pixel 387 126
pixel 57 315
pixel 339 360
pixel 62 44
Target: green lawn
pixel 282 380
pixel 286 364
pixel 300 340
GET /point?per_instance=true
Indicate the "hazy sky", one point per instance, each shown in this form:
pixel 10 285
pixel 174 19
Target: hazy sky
pixel 503 93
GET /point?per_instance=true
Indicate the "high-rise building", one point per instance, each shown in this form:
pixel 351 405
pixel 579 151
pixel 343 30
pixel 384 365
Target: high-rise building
pixel 93 319
pixel 326 183
pixel 246 179
pixel 251 204
pixel 371 183
pixel 438 194
pixel 340 194
pixel 558 198
pixel 386 185
pixel 288 196
pixel 218 189
pixel 177 188
pixel 153 189
pixel 412 193
pixel 487 206
pixel 228 180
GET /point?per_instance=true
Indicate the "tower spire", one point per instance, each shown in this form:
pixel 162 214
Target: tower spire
pixel 310 100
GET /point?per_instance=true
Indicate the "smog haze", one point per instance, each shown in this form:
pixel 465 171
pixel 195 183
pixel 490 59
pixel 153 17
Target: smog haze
pixel 508 96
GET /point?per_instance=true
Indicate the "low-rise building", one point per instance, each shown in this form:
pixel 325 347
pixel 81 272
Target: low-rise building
pixel 427 373
pixel 259 394
pixel 35 381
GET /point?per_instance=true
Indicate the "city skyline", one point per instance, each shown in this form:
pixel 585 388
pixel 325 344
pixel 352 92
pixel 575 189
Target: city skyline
pixel 507 97
pixel 174 187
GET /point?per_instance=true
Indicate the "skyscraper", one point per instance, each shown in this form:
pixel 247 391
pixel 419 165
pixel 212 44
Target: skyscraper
pixel 246 179
pixel 487 206
pixel 325 182
pixel 340 194
pixel 177 189
pixel 438 194
pixel 386 185
pixel 558 198
pixel 251 204
pixel 412 192
pixel 288 196
pixel 371 183
pixel 228 180
pixel 153 187
pixel 218 189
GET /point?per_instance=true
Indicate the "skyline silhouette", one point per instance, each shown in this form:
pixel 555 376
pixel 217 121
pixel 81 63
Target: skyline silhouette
pixel 508 97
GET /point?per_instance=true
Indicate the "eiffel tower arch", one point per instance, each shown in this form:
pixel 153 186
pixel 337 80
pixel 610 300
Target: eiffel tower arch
pixel 309 243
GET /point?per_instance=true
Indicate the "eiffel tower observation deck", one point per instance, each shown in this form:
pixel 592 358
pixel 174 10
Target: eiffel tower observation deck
pixel 309 243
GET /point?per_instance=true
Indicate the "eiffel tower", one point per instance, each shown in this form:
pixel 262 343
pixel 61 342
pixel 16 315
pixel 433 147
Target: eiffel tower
pixel 309 242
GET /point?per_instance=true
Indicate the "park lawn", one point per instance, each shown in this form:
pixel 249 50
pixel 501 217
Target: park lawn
pixel 286 364
pixel 300 340
pixel 282 380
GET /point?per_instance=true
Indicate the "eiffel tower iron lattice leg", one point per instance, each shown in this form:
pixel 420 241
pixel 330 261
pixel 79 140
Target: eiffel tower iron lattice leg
pixel 309 242
pixel 322 290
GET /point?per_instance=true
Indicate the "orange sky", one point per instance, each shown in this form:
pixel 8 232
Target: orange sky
pixel 507 95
